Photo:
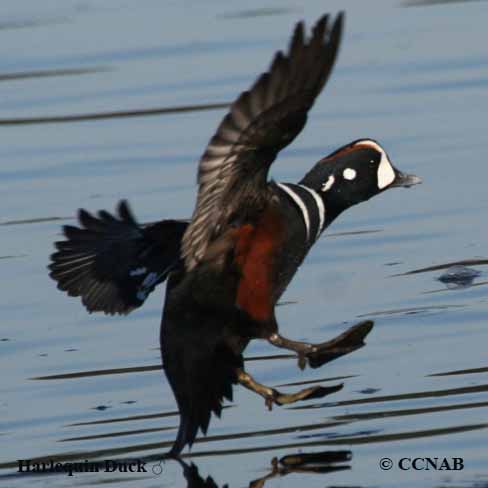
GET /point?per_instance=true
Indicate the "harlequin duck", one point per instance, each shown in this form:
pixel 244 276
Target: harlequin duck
pixel 228 266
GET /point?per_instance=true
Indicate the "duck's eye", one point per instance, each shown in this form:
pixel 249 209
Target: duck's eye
pixel 328 184
pixel 349 174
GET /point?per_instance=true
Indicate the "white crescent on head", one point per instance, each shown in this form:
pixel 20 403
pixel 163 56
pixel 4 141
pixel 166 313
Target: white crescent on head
pixel 328 184
pixel 386 173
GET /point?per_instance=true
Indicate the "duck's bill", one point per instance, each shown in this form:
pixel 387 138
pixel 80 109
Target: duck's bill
pixel 404 180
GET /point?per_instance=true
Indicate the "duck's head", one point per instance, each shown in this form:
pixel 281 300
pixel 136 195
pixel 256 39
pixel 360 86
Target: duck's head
pixel 355 173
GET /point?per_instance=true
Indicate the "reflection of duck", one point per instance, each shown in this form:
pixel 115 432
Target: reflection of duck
pixel 456 274
pixel 459 276
pixel 228 267
pixel 193 478
pixel 301 463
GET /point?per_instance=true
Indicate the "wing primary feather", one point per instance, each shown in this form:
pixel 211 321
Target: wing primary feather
pixel 263 120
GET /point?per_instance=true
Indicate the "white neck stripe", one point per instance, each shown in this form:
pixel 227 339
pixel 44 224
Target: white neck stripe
pixel 300 204
pixel 320 208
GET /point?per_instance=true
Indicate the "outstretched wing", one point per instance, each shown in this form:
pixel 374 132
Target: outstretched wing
pixel 113 263
pixel 260 123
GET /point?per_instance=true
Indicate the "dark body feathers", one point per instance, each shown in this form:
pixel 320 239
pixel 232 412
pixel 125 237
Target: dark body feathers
pixel 237 237
pixel 200 360
pixel 228 267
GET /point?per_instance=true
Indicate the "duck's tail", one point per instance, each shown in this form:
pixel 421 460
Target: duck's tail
pixel 112 262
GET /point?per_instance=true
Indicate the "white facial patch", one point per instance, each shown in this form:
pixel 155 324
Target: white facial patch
pixel 328 184
pixel 386 173
pixel 349 174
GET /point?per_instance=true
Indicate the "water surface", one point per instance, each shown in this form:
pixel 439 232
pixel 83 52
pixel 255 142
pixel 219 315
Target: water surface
pixel 103 101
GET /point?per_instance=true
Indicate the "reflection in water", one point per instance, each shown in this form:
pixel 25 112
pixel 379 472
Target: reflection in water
pixel 411 310
pixel 13 256
pixel 450 288
pixel 347 342
pixel 424 3
pixel 381 414
pixel 446 57
pixel 300 463
pixel 354 233
pixel 258 12
pixel 27 23
pixel 316 463
pixel 116 434
pixel 403 396
pixel 194 480
pixel 438 267
pixel 57 119
pixel 34 221
pixel 49 73
pixel 321 435
pixel 100 372
pixel 141 369
pixel 462 372
pixel 459 276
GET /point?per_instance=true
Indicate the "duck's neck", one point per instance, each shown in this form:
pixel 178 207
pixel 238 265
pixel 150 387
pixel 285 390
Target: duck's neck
pixel 319 179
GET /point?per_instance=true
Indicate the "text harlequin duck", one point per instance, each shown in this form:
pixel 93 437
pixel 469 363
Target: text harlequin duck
pixel 228 266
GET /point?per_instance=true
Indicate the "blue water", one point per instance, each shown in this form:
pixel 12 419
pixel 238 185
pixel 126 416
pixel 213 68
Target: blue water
pixel 415 79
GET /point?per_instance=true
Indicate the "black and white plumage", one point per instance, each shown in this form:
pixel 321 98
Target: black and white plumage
pixel 229 265
pixel 311 206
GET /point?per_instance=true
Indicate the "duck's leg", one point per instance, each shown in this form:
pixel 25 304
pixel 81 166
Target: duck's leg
pixel 272 395
pixel 321 353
